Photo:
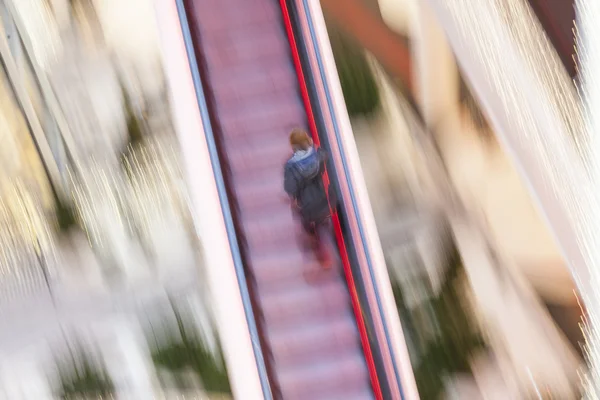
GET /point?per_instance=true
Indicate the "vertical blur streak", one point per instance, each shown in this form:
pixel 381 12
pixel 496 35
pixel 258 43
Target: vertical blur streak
pixel 25 239
pixel 94 211
pixel 588 43
pixel 534 109
pixel 41 142
pixel 34 66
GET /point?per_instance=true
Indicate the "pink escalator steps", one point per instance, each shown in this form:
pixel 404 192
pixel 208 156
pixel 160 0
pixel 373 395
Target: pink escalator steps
pixel 252 201
pixel 264 118
pixel 364 394
pixel 261 189
pixel 297 346
pixel 281 270
pixel 222 17
pixel 251 206
pixel 253 158
pixel 239 46
pixel 263 238
pixel 279 223
pixel 238 85
pixel 282 117
pixel 305 304
pixel 259 252
pixel 332 378
pixel 285 278
pixel 309 325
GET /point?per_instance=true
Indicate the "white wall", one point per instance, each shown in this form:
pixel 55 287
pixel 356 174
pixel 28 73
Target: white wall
pixel 493 191
pixel 397 14
pixel 497 205
pixel 485 178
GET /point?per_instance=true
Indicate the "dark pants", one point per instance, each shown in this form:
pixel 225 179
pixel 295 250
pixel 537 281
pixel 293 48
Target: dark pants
pixel 322 234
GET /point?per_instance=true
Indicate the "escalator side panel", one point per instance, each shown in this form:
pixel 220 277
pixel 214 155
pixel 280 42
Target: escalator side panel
pixel 373 305
pixel 349 253
pixel 212 102
pixel 308 331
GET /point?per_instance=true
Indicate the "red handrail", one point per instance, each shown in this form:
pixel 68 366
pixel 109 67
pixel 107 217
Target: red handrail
pixel 335 218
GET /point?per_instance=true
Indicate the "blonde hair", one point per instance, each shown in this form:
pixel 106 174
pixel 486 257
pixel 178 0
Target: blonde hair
pixel 299 139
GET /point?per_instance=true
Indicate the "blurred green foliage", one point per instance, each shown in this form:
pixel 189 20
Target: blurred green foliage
pixel 65 215
pixel 134 127
pixel 184 350
pixel 471 104
pixel 451 351
pixel 81 379
pixel 359 86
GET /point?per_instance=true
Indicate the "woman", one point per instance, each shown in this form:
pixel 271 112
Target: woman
pixel 304 184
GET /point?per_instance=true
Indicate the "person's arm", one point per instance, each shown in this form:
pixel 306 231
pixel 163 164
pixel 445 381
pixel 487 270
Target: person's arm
pixel 290 184
pixel 323 156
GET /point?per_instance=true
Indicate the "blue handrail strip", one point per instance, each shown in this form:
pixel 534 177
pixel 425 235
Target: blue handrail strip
pixel 224 201
pixel 348 181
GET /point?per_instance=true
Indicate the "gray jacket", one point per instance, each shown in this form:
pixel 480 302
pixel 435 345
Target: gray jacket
pixel 303 182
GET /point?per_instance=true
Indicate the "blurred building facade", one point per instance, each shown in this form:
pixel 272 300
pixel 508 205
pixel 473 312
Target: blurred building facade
pixel 523 291
pixel 64 78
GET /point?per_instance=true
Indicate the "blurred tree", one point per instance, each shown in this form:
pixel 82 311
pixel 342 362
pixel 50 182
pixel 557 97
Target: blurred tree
pixel 360 89
pixel 88 21
pixel 456 342
pixel 64 214
pixel 361 21
pixel 134 126
pixel 185 350
pixel 79 378
pixel 470 103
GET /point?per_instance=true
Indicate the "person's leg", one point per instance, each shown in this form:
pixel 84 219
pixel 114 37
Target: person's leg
pixel 308 238
pixel 326 247
pixel 309 227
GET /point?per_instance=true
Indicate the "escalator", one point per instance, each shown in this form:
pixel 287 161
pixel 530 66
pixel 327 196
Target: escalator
pixel 314 335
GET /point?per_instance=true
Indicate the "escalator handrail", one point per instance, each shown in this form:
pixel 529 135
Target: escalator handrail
pixel 344 255
pixel 224 201
pixel 361 236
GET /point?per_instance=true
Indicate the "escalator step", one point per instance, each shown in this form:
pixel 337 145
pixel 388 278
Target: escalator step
pixel 305 305
pixel 333 379
pixel 298 346
pixel 239 84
